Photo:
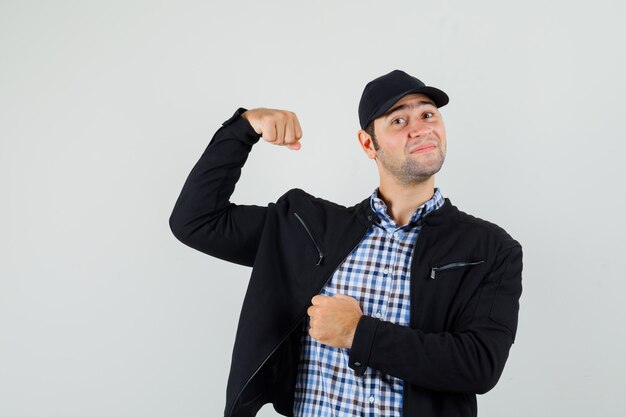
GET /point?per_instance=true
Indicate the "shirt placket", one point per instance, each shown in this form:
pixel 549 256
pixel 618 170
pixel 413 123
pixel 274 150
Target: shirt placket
pixel 401 282
pixel 392 238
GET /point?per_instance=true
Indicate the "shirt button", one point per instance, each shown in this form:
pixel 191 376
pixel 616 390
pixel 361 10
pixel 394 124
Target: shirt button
pixel 372 399
pixel 378 314
pixel 386 271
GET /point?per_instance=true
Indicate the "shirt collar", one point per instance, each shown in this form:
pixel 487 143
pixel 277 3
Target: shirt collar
pixel 380 208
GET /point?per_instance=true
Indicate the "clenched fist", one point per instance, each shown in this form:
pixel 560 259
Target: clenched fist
pixel 334 319
pixel 280 127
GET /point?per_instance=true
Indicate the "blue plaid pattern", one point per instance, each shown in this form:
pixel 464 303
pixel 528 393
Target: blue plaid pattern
pixel 377 274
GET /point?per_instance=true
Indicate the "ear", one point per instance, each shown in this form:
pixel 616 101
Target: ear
pixel 366 143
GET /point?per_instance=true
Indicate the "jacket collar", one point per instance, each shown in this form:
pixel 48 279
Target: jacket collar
pixel 367 215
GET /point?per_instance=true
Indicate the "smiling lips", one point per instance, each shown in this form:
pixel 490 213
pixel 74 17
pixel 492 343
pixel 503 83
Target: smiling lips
pixel 427 147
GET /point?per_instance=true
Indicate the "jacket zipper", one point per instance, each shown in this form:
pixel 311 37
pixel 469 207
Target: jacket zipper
pixel 319 251
pixel 452 265
pixel 298 322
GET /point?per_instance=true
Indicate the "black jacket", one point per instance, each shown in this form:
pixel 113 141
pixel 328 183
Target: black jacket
pixel 465 288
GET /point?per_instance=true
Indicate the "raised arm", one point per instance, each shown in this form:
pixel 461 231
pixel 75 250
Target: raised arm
pixel 203 216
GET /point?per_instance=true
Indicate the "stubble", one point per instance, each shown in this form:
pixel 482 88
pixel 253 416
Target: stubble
pixel 415 168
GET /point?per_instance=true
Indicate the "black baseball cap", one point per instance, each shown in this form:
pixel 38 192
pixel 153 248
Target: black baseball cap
pixel 381 93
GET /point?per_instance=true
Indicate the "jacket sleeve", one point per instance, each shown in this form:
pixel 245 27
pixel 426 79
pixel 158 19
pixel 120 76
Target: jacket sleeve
pixel 470 359
pixel 203 216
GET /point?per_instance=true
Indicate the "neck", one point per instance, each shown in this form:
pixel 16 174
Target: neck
pixel 402 199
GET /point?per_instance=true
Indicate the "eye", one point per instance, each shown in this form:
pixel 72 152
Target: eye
pixel 429 114
pixel 395 120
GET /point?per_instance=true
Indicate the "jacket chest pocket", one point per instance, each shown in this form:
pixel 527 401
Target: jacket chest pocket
pixel 437 270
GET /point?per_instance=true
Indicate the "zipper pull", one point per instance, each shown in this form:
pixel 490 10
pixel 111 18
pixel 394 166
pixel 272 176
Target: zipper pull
pixel 432 273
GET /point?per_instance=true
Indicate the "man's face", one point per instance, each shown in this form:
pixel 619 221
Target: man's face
pixel 412 139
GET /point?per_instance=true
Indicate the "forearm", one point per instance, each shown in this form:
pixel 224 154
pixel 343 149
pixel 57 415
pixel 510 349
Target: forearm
pixel 455 362
pixel 470 358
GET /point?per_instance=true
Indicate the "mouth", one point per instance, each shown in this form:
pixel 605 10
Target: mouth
pixel 424 148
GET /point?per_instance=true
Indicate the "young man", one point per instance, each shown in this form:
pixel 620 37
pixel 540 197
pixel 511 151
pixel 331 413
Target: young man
pixel 401 305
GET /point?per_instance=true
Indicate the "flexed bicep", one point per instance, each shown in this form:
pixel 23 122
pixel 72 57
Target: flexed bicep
pixel 203 217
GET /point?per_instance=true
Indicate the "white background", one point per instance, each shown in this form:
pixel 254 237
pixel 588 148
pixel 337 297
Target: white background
pixel 105 106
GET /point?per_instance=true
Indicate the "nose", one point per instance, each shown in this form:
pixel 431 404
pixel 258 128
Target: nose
pixel 419 128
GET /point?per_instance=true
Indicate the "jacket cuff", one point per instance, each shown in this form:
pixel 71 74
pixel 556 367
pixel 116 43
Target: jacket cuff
pixel 241 128
pixel 362 344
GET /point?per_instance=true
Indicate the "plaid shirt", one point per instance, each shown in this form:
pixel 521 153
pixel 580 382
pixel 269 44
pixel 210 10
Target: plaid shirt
pixel 377 274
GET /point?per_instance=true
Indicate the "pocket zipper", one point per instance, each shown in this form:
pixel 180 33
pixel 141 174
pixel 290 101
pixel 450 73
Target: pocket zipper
pixel 319 251
pixel 452 265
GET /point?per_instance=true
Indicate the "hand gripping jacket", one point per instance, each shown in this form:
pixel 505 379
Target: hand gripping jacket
pixel 465 288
